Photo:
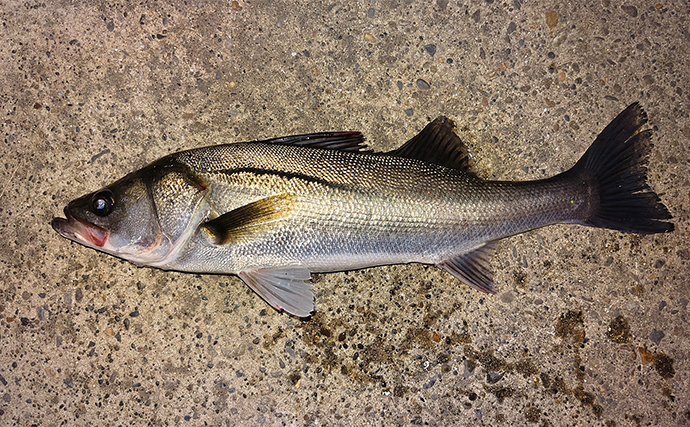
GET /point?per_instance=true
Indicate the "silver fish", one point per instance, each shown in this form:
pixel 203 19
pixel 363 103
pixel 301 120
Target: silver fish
pixel 274 211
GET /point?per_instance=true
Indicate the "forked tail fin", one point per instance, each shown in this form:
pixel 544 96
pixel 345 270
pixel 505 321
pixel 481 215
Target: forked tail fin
pixel 617 164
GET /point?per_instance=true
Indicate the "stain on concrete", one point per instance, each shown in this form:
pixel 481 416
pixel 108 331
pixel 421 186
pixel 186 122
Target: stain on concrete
pixel 619 330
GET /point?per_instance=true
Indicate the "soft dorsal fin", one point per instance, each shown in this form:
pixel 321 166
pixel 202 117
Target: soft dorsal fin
pixel 473 267
pixel 341 141
pixel 438 143
pixel 245 220
pixel 286 288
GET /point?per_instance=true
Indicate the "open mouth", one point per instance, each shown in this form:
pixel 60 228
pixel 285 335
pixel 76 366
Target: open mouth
pixel 80 232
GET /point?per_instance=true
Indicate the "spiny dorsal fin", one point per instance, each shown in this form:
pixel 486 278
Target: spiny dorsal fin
pixel 438 143
pixel 286 288
pixel 245 220
pixel 341 141
pixel 473 267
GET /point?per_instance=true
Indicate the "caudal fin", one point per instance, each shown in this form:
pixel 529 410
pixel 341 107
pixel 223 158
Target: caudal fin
pixel 617 162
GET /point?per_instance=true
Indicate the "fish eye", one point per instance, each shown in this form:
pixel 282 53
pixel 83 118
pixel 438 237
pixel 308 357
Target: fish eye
pixel 102 203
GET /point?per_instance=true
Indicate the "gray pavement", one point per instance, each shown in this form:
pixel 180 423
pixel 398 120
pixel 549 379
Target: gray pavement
pixel 590 327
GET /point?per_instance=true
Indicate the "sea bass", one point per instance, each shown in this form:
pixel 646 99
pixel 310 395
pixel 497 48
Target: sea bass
pixel 272 212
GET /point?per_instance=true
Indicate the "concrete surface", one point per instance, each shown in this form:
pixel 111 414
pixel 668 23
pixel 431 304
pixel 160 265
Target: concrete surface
pixel 590 327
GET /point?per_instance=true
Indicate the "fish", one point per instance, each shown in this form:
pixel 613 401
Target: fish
pixel 272 212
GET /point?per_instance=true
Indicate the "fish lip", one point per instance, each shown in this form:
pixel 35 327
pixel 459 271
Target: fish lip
pixel 61 226
pixel 80 231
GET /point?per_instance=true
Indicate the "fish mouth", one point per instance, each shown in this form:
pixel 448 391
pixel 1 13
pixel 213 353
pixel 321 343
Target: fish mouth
pixel 79 231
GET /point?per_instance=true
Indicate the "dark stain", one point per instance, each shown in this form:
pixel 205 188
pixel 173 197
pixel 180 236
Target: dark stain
pixel 420 336
pixel 220 392
pixel 645 355
pixel 377 353
pixel 462 337
pixel 459 337
pixel 559 386
pixel 485 358
pixel 579 368
pixel 424 288
pixel 569 326
pixel 493 364
pixel 635 242
pixel 365 353
pixel 294 378
pixel 668 393
pixel 319 332
pixel 400 390
pixel 271 339
pixel 360 362
pixel 432 317
pixel 663 365
pixel 532 414
pixel 329 359
pixel 500 392
pixel 545 380
pixel 526 367
pixel 619 330
pixel 638 291
pixel 587 399
pixel 520 279
pixel 635 419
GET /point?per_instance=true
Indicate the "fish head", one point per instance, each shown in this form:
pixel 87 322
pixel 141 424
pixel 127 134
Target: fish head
pixel 146 217
pixel 119 219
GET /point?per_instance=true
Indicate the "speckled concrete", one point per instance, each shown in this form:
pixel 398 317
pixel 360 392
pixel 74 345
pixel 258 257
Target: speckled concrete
pixel 590 327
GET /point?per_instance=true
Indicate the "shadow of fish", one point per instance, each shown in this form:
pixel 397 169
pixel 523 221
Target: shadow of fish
pixel 272 212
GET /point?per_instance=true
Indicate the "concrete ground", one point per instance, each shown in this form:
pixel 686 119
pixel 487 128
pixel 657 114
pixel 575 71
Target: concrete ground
pixel 590 327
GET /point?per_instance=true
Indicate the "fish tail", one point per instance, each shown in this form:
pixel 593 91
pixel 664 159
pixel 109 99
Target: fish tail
pixel 616 165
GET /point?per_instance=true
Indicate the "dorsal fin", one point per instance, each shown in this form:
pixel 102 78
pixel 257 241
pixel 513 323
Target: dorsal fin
pixel 439 144
pixel 341 141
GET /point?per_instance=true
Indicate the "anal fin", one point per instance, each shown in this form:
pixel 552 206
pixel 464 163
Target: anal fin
pixel 286 289
pixel 473 268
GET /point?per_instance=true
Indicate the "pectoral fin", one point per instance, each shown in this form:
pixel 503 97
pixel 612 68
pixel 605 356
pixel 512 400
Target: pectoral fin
pixel 249 219
pixel 473 268
pixel 284 288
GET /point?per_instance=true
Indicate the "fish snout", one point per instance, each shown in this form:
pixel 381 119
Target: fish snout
pixel 79 231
